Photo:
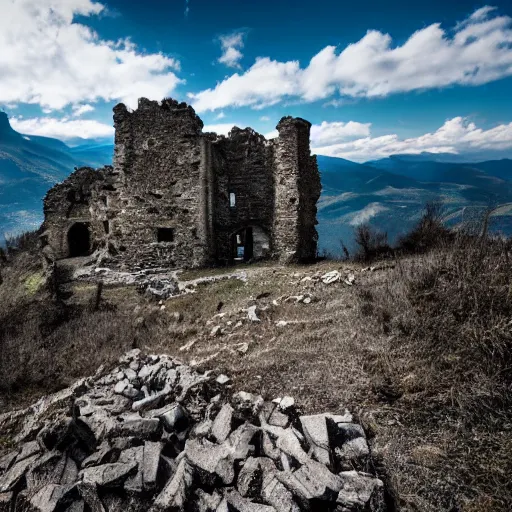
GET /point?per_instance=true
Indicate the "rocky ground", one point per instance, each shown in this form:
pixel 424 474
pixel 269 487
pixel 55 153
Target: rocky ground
pixel 326 334
pixel 153 434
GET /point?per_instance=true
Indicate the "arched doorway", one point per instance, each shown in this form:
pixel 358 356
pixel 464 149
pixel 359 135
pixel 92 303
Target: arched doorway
pixel 79 240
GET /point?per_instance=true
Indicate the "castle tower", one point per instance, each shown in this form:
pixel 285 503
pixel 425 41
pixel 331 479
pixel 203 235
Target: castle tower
pixel 297 189
pixel 162 164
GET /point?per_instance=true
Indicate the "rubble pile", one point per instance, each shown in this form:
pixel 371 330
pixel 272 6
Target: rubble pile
pixel 154 434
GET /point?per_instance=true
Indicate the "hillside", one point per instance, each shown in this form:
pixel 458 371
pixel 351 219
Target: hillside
pixel 422 364
pixel 391 193
pixel 29 166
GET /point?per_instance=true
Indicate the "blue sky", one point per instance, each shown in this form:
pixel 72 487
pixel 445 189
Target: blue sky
pixel 374 77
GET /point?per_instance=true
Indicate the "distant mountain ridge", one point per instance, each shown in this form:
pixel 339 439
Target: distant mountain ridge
pixel 29 166
pixel 390 194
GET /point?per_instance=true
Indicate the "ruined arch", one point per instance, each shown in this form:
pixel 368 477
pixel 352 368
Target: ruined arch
pixel 79 240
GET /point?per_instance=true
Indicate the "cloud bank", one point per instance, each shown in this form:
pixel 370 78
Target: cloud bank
pixel 457 135
pixel 474 52
pixel 63 129
pixel 49 59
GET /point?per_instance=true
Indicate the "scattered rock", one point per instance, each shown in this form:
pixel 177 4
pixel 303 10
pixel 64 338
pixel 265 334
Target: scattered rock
pixel 216 331
pixel 222 425
pixel 331 277
pixel 156 435
pixel 174 495
pixel 360 491
pixel 223 379
pixel 251 313
pixel 108 475
pixel 286 402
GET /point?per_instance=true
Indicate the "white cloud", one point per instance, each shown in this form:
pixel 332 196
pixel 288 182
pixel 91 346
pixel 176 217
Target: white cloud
pixel 79 110
pixel 64 129
pixel 331 133
pixel 264 118
pixel 51 60
pixel 328 133
pixel 231 45
pixel 219 129
pixel 264 84
pixel 457 135
pixel 475 52
pixel 220 115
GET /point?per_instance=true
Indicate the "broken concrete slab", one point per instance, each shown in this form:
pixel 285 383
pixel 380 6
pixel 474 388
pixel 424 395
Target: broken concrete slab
pixel 205 502
pixel 238 503
pixel 28 449
pixel 101 456
pixel 278 419
pixel 151 463
pixel 7 460
pixel 133 483
pixel 213 459
pixel 144 428
pixel 312 481
pixel 9 479
pixel 276 494
pixel 354 449
pixel 315 430
pixel 287 441
pixel 52 467
pixel 52 497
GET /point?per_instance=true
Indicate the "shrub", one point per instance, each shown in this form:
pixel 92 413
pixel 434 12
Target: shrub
pixel 27 241
pixel 429 233
pixel 371 243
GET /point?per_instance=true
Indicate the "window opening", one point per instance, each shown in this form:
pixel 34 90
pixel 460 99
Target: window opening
pixel 165 234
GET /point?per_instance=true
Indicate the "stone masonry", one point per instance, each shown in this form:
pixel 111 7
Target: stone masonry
pixel 178 197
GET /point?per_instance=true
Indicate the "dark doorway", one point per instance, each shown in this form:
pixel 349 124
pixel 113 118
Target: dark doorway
pixel 242 245
pixel 79 240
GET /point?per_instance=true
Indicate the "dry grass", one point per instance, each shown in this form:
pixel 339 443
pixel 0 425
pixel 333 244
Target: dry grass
pixel 420 353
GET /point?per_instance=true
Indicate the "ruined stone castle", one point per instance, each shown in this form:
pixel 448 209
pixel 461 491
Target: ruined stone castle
pixel 176 196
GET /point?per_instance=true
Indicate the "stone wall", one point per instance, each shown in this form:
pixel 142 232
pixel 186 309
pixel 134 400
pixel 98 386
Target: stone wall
pixel 178 197
pixel 243 175
pixel 160 161
pixel 297 189
pixel 80 200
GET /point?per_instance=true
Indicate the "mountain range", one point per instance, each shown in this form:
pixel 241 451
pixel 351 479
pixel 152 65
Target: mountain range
pixel 29 166
pixel 389 193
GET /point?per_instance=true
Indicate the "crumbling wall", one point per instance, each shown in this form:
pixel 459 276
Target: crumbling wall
pixel 297 189
pixel 78 200
pixel 161 162
pixel 244 191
